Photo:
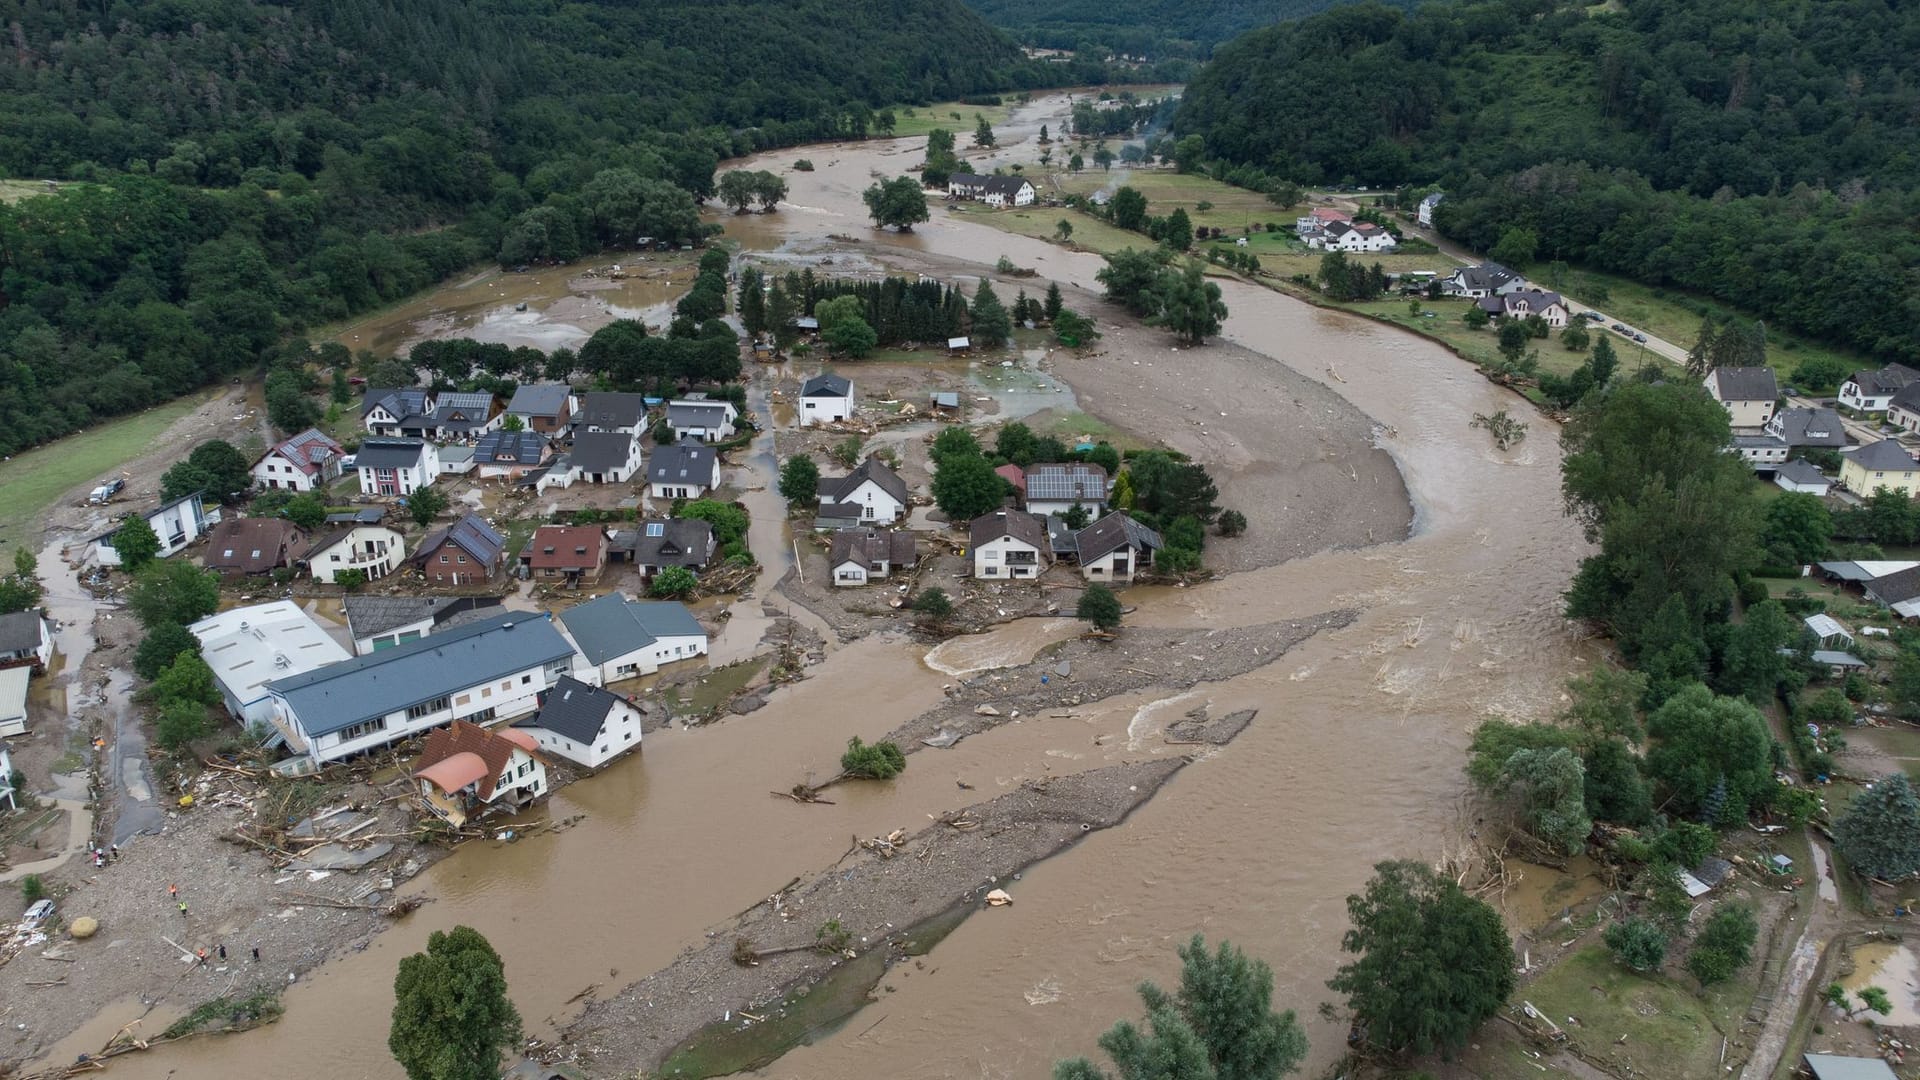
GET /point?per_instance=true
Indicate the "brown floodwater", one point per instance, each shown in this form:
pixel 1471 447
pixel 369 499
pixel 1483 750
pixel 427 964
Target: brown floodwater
pixel 1355 756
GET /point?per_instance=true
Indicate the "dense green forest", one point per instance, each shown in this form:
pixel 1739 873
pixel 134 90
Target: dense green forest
pixel 1156 29
pixel 234 172
pixel 1759 152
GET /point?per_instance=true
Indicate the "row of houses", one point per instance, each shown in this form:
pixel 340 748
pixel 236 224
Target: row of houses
pixel 1327 229
pixel 1767 437
pixel 1016 545
pixel 422 663
pixel 995 191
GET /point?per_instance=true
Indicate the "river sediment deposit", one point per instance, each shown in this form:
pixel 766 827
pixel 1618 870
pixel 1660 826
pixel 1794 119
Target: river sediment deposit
pixel 1348 446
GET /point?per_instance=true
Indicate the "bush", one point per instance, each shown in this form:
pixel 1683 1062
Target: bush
pixel 160 647
pixel 1231 523
pixel 350 580
pixel 1637 943
pixel 1725 944
pixel 673 582
pixel 880 761
pixel 803 165
pixel 1100 607
pixel 1753 591
pixel 32 889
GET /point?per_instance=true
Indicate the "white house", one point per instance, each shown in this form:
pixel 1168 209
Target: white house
pixel 381 622
pixel 1763 452
pixel 1353 236
pixel 509 454
pixel 858 556
pixel 1487 279
pixel 1747 393
pixel 13 700
pixel 1522 303
pixel 464 769
pixel 302 463
pixel 825 399
pixel 876 489
pixel 1903 408
pixel 249 647
pixel 605 457
pixel 1315 224
pixel 995 191
pixel 177 524
pixel 489 669
pixel 1057 488
pixel 374 550
pixel 1872 391
pixel 1008 544
pixel 1802 476
pixel 702 419
pixel 1424 214
pixel 396 467
pixel 455 459
pixel 6 779
pixel 394 413
pixel 625 639
pixel 25 639
pixel 1115 548
pixel 584 724
pixel 683 471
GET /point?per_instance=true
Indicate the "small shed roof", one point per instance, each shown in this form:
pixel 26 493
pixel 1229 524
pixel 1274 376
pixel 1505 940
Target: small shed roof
pixel 946 399
pixel 1837 658
pixel 1836 1067
pixel 1826 626
pixel 959 343
pixel 827 385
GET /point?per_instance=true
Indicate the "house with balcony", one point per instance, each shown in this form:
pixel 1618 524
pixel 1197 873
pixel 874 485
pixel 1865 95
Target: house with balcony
pixel 373 549
pixel 1008 545
pixel 1872 391
pixel 396 468
pixel 395 413
pixel 486 670
pixel 177 524
pixel 464 771
pixel 573 554
pixel 25 640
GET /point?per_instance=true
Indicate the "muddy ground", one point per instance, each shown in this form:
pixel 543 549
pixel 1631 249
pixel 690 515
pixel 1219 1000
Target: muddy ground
pixel 875 898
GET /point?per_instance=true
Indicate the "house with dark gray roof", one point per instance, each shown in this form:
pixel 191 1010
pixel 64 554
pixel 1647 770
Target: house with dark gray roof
pixel 683 471
pixel 1899 591
pixel 584 724
pixel 605 410
pixel 1524 303
pixel 461 415
pixel 826 398
pixel 1115 548
pixel 873 486
pixel 396 467
pixel 304 462
pixel 1802 475
pixel 1057 488
pixel 858 556
pixel 1747 393
pixel 177 524
pixel 625 639
pixel 489 669
pixel 997 191
pixel 1903 408
pixel 1810 426
pixel 397 413
pixel 546 408
pixel 25 639
pixel 702 419
pixel 658 543
pixel 605 457
pixel 382 622
pixel 1487 279
pixel 467 552
pixel 1008 544
pixel 1883 464
pixel 249 547
pixel 1872 391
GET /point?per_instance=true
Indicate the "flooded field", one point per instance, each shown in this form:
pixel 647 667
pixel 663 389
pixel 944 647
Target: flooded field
pixel 1355 755
pixel 1891 967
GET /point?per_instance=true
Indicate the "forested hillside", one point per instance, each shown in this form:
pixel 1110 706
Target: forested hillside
pixel 249 169
pixel 1759 152
pixel 1152 28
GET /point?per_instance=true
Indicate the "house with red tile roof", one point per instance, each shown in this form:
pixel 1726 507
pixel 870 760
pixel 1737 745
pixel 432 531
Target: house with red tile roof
pixel 465 769
pixel 570 553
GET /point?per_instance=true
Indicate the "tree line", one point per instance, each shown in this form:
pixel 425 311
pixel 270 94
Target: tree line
pixel 242 173
pixel 1750 152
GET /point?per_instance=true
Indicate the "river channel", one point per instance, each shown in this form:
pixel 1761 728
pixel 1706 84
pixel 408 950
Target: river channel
pixel 1355 755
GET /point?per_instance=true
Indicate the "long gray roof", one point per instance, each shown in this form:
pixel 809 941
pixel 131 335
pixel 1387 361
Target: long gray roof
pixel 608 408
pixel 1805 426
pixel 574 709
pixel 1020 525
pixel 672 542
pixel 700 414
pixel 388 453
pixel 472 535
pixel 1836 1067
pixel 510 447
pixel 600 451
pixel 612 625
pixel 1884 381
pixel 1802 472
pixel 341 695
pixel 827 385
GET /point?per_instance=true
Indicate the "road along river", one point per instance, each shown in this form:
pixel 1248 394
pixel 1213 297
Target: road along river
pixel 1355 755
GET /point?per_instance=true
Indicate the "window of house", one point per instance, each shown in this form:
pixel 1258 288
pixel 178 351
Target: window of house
pixel 629 736
pixel 525 679
pixel 364 728
pixel 443 558
pixel 463 560
pixel 505 779
pixel 463 699
pixel 427 708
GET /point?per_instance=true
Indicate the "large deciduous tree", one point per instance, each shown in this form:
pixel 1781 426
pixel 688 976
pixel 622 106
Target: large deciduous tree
pixel 452 1019
pixel 898 202
pixel 1431 963
pixel 1188 304
pixel 1130 277
pixel 172 591
pixel 1703 745
pixel 965 486
pixel 1219 1025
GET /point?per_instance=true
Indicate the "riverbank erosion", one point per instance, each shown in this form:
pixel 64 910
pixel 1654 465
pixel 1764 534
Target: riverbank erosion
pixel 888 889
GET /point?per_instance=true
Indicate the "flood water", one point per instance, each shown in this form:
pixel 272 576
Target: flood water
pixel 1355 756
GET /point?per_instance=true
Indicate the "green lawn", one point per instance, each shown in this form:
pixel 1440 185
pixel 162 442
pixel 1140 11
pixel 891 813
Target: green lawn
pixel 1480 346
pixel 12 191
pixel 1669 1029
pixel 952 115
pixel 32 481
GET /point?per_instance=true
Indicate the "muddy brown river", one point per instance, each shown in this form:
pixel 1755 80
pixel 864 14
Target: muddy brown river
pixel 1355 755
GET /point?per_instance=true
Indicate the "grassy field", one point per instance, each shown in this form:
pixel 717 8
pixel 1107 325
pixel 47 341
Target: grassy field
pixel 955 116
pixel 1480 346
pixel 30 482
pixel 1668 1029
pixel 12 191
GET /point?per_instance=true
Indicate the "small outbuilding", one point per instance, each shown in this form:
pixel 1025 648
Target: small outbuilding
pixel 1836 1067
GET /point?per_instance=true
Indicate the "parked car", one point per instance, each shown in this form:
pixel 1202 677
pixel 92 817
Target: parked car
pixel 40 912
pixel 1594 315
pixel 1617 328
pixel 105 492
pixel 1640 338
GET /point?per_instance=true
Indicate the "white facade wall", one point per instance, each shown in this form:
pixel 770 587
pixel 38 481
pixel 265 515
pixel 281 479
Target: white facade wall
pixel 375 549
pixel 824 409
pixel 618 734
pixel 647 660
pixel 1006 558
pixel 391 483
pixel 276 471
pixel 511 695
pixel 876 505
